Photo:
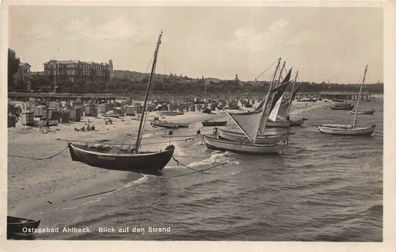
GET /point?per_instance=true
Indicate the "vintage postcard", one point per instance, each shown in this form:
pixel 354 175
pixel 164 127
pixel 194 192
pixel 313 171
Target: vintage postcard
pixel 214 125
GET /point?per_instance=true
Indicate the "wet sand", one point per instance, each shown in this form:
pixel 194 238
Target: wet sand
pixel 35 186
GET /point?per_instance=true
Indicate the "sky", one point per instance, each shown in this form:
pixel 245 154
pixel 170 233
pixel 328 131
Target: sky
pixel 329 44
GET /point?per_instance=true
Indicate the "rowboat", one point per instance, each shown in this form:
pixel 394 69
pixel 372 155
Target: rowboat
pixel 297 122
pixel 245 147
pixel 345 130
pixel 20 226
pixel 213 123
pixel 364 112
pixel 168 125
pixel 170 113
pixel 349 129
pixel 130 158
pixel 342 106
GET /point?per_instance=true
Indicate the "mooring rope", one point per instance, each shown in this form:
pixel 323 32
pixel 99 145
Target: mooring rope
pixel 45 158
pixel 185 166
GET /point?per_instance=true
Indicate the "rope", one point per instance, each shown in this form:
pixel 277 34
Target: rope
pixel 185 174
pixel 185 166
pixel 266 70
pixel 34 158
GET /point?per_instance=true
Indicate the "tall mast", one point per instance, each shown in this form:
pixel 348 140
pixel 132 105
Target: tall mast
pixel 139 136
pixel 280 73
pixel 265 103
pixel 292 91
pixel 357 103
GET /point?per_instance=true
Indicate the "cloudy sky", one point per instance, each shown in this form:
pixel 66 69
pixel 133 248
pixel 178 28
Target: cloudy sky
pixel 324 44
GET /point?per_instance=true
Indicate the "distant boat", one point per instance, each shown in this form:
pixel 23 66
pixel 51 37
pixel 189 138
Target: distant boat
pixel 17 225
pixel 364 112
pixel 213 123
pixel 342 106
pixel 252 124
pixel 207 111
pixel 279 123
pixel 340 129
pixel 168 125
pixel 130 158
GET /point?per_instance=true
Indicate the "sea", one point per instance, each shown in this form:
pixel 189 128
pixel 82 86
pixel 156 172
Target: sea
pixel 323 188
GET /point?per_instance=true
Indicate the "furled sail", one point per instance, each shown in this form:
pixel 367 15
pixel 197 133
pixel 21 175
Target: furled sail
pixel 284 106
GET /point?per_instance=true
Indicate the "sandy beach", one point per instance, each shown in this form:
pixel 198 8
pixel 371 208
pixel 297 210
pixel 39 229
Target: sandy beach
pixel 35 186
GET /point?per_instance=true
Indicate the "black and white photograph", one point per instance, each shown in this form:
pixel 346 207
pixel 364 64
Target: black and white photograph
pixel 196 122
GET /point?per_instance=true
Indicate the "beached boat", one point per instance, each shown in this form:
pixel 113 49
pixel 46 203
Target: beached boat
pixel 252 124
pixel 351 130
pixel 131 158
pixel 342 106
pixel 213 123
pixel 168 125
pixel 20 226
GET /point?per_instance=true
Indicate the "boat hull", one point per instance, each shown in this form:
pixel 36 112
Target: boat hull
pixel 215 123
pixel 298 122
pixel 342 107
pixel 240 137
pixel 17 226
pixel 227 145
pixel 278 124
pixel 169 125
pixel 364 112
pixel 345 130
pixel 145 162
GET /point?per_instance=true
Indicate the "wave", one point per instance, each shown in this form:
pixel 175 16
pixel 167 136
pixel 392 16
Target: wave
pixel 216 157
pixel 139 181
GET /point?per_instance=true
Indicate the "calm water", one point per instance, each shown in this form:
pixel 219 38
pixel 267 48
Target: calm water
pixel 325 188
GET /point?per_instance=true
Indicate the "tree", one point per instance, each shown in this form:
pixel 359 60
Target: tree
pixel 13 64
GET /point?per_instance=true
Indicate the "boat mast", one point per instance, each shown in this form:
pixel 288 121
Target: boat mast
pixel 357 103
pixel 139 135
pixel 280 73
pixel 265 104
pixel 292 91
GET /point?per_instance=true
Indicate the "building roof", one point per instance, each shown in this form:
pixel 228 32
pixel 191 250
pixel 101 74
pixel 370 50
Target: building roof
pixel 72 62
pixel 24 64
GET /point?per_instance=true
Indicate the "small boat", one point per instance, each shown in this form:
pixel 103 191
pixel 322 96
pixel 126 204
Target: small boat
pixel 103 157
pixel 347 129
pixel 130 158
pixel 213 123
pixel 207 111
pixel 112 114
pixel 20 226
pixel 168 125
pixel 364 112
pixel 244 147
pixel 269 138
pixel 342 106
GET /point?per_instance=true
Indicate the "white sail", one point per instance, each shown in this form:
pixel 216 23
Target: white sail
pixel 247 122
pixel 274 113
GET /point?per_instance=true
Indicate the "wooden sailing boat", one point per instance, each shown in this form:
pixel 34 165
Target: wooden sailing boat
pixel 131 158
pixel 252 124
pixel 293 93
pixel 339 129
pixel 277 134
